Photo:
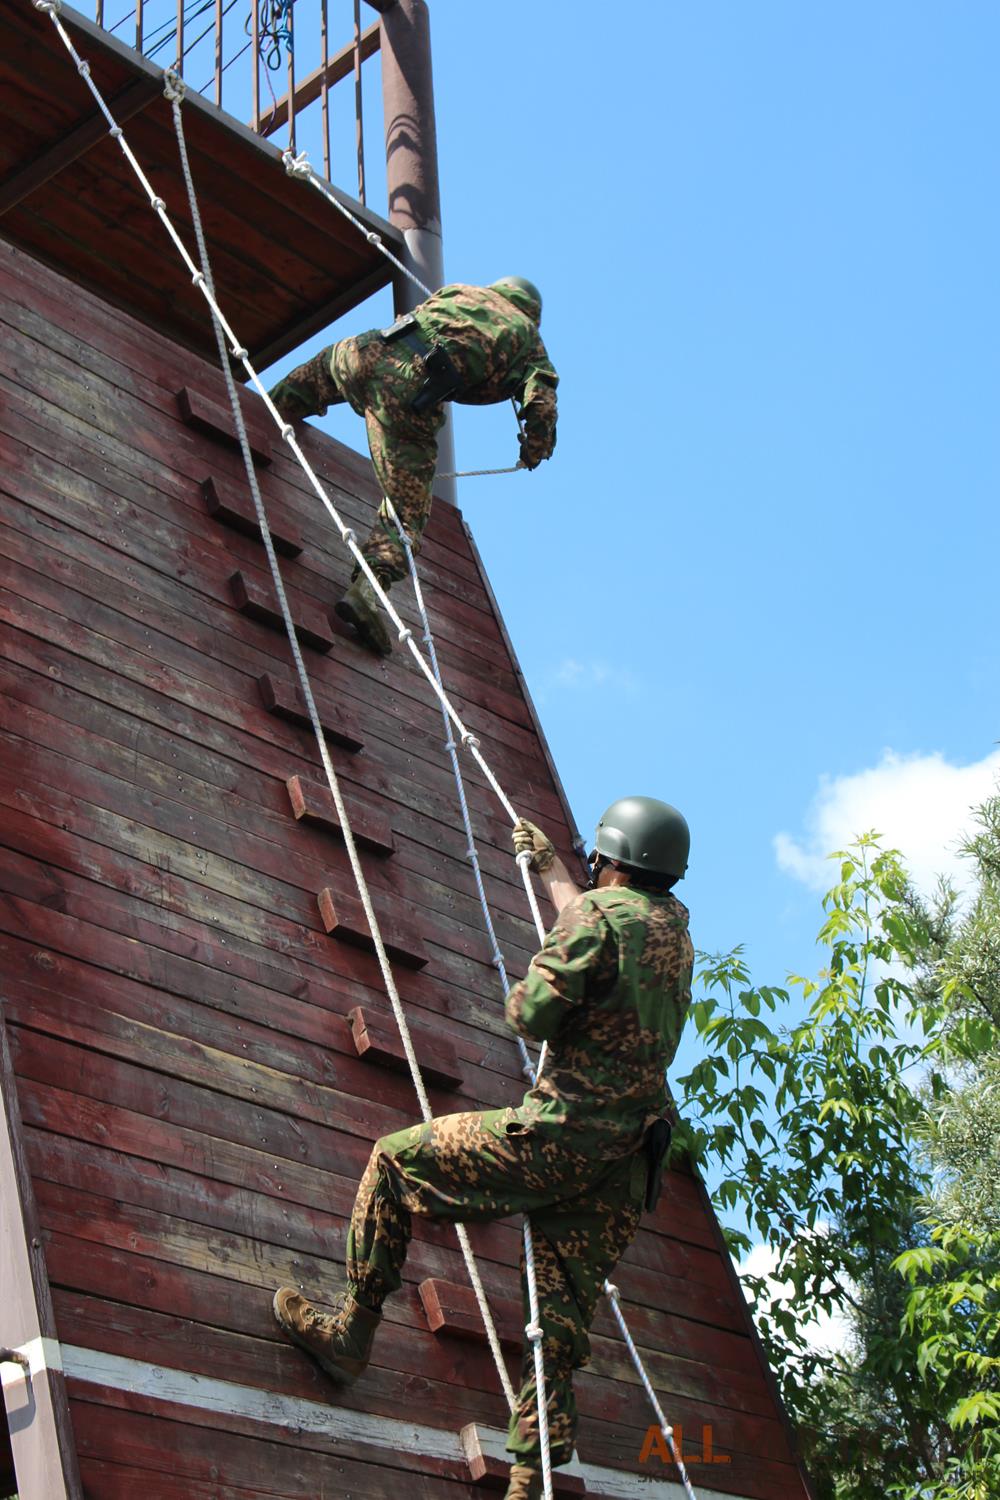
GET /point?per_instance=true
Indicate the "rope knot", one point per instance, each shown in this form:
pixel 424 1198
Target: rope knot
pixel 158 205
pixel 83 68
pixel 469 740
pixel 297 165
pixel 239 352
pixel 524 858
pixel 49 7
pixel 349 537
pixel 198 278
pixel 406 634
pixel 612 1290
pixel 288 432
pixel 533 1331
pixel 173 85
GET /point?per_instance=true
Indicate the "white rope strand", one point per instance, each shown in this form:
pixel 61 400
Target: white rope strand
pixel 201 279
pixel 174 92
pixel 497 958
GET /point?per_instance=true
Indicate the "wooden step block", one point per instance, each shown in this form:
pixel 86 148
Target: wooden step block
pixel 215 419
pixel 491 1469
pixel 283 697
pixel 235 508
pixel 258 602
pixel 344 918
pixel 452 1308
pixel 314 804
pixel 378 1041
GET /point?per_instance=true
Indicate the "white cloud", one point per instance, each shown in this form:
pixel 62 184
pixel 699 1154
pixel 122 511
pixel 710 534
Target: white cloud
pixel 583 675
pixel 826 1333
pixel 920 804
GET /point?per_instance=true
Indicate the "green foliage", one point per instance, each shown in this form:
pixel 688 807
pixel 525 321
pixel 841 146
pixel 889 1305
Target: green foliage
pixel 816 1125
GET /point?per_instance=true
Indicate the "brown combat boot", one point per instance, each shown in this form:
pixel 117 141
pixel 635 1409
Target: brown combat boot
pixel 360 608
pixel 525 1483
pixel 340 1342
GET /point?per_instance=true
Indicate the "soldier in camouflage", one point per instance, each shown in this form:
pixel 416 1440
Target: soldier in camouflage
pixel 475 345
pixel 608 991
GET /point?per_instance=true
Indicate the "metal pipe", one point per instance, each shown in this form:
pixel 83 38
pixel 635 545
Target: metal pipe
pixel 99 16
pixel 219 14
pixel 138 25
pixel 180 37
pixel 325 92
pixel 412 171
pixel 255 36
pixel 359 118
pixel 291 78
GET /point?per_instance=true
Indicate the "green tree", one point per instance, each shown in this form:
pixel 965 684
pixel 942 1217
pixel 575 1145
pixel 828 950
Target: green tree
pixel 816 1126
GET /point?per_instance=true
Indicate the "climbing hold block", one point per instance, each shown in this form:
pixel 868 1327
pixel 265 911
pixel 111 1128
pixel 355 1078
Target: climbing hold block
pixel 313 803
pixel 378 1041
pixel 215 420
pixel 452 1308
pixel 257 600
pixel 234 508
pixel 344 918
pixel 284 699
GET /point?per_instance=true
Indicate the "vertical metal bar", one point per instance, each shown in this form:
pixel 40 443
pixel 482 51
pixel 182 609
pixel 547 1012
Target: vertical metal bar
pixel 358 102
pixel 180 37
pixel 138 25
pixel 100 12
pixel 218 52
pixel 291 77
pixel 255 49
pixel 325 95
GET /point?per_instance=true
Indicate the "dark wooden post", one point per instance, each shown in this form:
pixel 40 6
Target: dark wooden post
pixel 412 168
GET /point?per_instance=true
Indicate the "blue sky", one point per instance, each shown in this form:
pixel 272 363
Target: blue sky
pixel 758 576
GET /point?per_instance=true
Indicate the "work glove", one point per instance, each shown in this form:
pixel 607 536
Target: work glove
pixel 530 839
pixel 536 444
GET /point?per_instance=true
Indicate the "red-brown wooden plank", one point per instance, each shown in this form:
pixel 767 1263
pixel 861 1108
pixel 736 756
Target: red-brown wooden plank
pixel 314 804
pixel 233 507
pixel 381 1044
pixel 343 917
pixel 251 598
pixel 282 697
pixel 205 415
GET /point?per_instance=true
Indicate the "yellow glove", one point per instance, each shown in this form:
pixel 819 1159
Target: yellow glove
pixel 530 839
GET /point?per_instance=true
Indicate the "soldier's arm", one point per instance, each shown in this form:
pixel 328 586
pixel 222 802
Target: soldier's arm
pixel 539 409
pixel 577 948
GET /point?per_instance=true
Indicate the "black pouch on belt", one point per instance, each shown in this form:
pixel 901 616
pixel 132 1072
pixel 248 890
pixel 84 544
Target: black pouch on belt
pixel 655 1143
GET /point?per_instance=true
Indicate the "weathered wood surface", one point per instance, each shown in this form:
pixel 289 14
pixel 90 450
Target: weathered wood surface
pixel 197 1107
pixel 280 254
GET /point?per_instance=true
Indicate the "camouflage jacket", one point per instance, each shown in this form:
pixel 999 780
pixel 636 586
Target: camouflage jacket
pixel 608 991
pixel 498 352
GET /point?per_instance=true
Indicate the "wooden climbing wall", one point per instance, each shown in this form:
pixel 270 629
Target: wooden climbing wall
pixel 203 1051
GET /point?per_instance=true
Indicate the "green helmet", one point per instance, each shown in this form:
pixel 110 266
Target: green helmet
pixel 645 833
pixel 523 293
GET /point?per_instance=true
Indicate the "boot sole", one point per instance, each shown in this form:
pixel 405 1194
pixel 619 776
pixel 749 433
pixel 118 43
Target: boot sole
pixel 381 647
pixel 337 1373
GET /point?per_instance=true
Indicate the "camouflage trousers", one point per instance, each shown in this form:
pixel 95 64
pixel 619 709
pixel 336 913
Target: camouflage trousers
pixel 474 1168
pixel 379 381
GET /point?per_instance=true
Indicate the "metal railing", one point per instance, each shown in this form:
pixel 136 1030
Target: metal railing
pixel 264 61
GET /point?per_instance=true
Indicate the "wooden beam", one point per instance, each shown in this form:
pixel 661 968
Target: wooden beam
pixel 130 101
pixel 339 66
pixel 34 1387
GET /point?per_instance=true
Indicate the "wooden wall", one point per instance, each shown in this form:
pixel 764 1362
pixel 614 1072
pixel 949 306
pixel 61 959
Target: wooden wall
pixel 196 1110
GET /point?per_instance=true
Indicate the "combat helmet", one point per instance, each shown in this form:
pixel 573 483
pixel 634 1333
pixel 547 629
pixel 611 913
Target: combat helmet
pixel 523 293
pixel 646 834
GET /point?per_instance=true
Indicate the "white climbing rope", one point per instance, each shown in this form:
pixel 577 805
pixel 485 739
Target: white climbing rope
pixel 533 1328
pixel 297 165
pixel 174 90
pixel 201 279
pixel 497 959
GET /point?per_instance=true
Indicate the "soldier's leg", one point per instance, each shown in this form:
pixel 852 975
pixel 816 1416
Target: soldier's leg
pixel 309 389
pixel 577 1245
pixel 404 453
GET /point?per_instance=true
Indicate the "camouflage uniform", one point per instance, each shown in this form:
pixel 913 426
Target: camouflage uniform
pixel 609 991
pixel 498 353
